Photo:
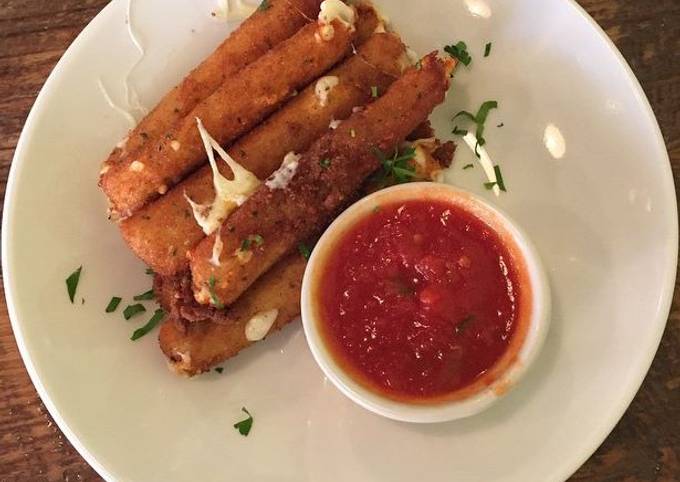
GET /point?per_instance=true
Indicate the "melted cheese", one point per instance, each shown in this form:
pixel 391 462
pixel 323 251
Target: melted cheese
pixel 281 178
pixel 218 245
pixel 323 88
pixel 484 160
pixel 229 194
pixel 260 324
pixel 331 10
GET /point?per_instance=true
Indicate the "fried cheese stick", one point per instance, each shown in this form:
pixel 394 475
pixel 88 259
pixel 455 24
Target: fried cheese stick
pixel 255 36
pixel 239 104
pixel 193 348
pixel 304 193
pixel 163 232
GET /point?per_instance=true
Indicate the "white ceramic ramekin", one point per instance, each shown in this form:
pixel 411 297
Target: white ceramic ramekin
pixel 524 346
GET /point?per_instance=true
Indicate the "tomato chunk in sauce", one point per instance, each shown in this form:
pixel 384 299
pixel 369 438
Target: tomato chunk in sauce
pixel 418 299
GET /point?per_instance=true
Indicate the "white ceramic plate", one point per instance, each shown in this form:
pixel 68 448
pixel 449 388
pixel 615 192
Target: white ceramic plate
pixel 603 217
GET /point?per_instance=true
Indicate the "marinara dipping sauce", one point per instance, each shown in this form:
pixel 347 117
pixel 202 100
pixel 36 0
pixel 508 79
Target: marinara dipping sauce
pixel 420 301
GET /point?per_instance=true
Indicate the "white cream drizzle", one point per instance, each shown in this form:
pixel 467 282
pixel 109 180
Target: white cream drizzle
pixel 283 175
pixel 484 160
pixel 260 324
pixel 229 194
pixel 128 117
pixel 233 9
pixel 323 88
pixel 130 92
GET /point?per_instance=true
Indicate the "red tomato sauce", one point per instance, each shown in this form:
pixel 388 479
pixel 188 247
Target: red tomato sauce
pixel 418 299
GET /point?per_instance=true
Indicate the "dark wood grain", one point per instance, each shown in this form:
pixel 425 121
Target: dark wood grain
pixel 644 446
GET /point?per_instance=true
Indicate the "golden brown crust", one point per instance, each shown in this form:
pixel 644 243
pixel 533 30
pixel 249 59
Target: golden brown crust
pixel 255 36
pixel 193 348
pixel 239 104
pixel 162 232
pixel 283 217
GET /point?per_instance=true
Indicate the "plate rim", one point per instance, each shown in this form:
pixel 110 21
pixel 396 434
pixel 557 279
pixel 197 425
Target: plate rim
pixel 561 471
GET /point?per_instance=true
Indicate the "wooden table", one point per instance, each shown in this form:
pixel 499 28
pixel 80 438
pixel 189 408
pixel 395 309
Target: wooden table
pixel 644 446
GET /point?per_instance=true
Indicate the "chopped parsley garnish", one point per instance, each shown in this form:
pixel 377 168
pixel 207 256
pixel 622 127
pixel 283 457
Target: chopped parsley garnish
pixel 500 125
pixel 149 271
pixel 396 169
pixel 459 132
pixel 376 208
pixel 487 49
pixel 479 119
pixel 253 239
pixel 213 296
pixel 245 425
pixel 133 310
pixel 150 325
pixel 304 250
pixel 325 163
pixel 147 295
pixel 264 5
pixel 468 166
pixel 464 323
pixel 499 180
pixel 219 369
pixel 459 51
pixel 113 304
pixel 374 91
pixel 72 283
pixel 499 177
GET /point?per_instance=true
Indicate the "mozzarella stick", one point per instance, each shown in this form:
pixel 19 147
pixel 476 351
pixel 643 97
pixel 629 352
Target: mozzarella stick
pixel 234 108
pixel 305 191
pixel 255 36
pixel 163 232
pixel 272 302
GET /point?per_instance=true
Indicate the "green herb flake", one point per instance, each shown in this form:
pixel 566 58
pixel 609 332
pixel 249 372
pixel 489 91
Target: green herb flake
pixel 468 166
pixel 459 132
pixel 113 304
pixel 150 325
pixel 304 250
pixel 149 271
pixel 396 169
pixel 325 163
pixel 219 369
pixel 244 426
pixel 374 91
pixel 459 51
pixel 499 177
pixel 479 119
pixel 245 244
pixel 487 49
pixel 500 125
pixel 257 239
pixel 266 4
pixel 376 208
pixel 490 185
pixel 213 296
pixel 133 310
pixel 147 295
pixel 464 323
pixel 72 283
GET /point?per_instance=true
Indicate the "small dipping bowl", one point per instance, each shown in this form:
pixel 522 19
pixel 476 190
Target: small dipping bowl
pixel 529 333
